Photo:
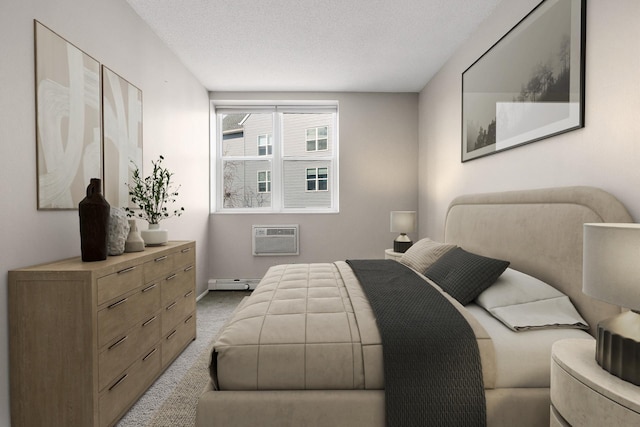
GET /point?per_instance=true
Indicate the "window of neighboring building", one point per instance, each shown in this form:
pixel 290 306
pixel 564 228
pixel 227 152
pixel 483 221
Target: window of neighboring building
pixel 264 181
pixel 316 138
pixel 265 145
pixel 262 151
pixel 317 179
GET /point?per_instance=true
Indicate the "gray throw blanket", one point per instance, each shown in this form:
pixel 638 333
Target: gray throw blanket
pixel 432 368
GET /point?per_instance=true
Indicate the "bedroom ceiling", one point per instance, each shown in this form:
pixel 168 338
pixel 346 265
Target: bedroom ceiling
pixel 314 45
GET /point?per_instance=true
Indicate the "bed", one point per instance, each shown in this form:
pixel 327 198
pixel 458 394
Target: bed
pixel 305 348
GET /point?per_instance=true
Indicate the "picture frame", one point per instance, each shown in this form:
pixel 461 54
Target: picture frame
pixel 122 136
pixel 529 85
pixel 68 120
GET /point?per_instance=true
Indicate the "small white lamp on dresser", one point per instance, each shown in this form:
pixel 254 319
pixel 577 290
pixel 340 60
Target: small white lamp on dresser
pixel 596 383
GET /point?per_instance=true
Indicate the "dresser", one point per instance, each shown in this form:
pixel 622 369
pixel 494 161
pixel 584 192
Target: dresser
pixel 86 339
pixel 583 394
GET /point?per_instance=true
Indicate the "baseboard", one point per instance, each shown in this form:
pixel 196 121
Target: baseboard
pixel 232 284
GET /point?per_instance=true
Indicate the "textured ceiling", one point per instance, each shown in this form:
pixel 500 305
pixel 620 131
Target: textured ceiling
pixel 314 45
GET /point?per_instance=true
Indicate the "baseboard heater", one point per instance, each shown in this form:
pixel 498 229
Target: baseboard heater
pixel 232 284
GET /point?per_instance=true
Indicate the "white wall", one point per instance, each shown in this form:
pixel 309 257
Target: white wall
pixel 176 124
pixel 378 174
pixel 604 154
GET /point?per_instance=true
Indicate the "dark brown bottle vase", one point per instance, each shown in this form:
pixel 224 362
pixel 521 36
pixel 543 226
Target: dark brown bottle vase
pixel 94 213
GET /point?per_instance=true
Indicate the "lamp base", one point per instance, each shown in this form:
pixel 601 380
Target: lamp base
pixel 402 243
pixel 618 346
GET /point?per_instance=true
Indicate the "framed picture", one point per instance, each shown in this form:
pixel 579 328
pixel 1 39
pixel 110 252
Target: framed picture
pixel 529 85
pixel 68 131
pixel 122 124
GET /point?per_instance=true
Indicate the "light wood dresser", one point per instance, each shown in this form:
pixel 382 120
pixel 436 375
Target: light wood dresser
pixel 88 338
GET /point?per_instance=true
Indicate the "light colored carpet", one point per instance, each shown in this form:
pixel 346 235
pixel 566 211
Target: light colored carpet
pixel 171 400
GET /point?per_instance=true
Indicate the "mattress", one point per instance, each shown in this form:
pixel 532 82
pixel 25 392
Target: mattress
pixel 310 327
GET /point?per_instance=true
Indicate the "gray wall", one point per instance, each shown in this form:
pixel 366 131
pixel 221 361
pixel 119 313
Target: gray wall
pixel 175 120
pixel 378 174
pixel 605 153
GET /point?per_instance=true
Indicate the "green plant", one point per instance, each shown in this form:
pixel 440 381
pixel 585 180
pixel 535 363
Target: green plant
pixel 152 194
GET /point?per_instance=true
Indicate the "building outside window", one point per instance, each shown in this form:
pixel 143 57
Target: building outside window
pixel 265 145
pixel 281 158
pixel 317 138
pixel 264 181
pixel 317 179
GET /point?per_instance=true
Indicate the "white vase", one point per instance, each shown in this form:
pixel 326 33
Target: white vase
pixel 155 236
pixel 134 242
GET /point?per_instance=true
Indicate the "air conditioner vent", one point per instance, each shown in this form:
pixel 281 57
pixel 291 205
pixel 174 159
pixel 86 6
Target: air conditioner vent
pixel 273 240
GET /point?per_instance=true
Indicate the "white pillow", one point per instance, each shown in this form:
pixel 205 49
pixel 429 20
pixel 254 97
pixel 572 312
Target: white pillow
pixel 523 302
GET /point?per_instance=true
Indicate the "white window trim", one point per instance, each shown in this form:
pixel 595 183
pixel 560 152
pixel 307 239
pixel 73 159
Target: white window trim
pixel 269 144
pixel 216 175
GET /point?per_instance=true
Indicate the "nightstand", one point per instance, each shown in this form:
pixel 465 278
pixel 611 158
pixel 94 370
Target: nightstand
pixel 390 254
pixel 584 394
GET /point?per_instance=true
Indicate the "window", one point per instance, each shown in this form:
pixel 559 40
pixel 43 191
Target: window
pixel 275 158
pixel 265 145
pixel 264 181
pixel 317 138
pixel 317 179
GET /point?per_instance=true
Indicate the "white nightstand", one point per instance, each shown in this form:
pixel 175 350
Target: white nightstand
pixel 583 394
pixel 390 254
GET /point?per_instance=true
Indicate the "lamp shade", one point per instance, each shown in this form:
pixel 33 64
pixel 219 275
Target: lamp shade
pixel 611 263
pixel 403 221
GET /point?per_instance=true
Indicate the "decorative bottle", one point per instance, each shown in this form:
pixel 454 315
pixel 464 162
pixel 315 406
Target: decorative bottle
pixel 134 242
pixel 94 213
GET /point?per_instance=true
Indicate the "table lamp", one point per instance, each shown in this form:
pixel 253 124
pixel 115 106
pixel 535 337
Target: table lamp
pixel 611 273
pixel 403 222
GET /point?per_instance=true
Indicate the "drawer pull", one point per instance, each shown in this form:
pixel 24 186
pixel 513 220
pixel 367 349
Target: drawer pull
pixel 117 343
pixel 117 303
pixel 161 258
pixel 148 288
pixel 188 319
pixel 149 321
pixel 173 276
pixel 188 293
pixel 118 382
pixel 170 306
pixel 185 250
pixel 188 268
pixel 171 335
pixel 126 270
pixel 144 359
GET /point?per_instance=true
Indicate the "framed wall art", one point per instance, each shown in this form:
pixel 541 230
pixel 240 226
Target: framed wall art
pixel 529 85
pixel 68 130
pixel 122 124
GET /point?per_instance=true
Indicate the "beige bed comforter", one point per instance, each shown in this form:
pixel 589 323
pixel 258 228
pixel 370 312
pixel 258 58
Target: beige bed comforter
pixel 310 327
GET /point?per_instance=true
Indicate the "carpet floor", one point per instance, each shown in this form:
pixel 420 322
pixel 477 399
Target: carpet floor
pixel 171 400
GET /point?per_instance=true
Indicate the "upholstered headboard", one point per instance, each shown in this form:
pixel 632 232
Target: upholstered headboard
pixel 539 232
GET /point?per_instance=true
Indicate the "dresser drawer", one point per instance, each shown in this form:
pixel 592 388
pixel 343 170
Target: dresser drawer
pixel 178 338
pixel 160 266
pixel 120 316
pixel 177 284
pixel 176 311
pixel 118 355
pixel 121 393
pixel 185 256
pixel 119 283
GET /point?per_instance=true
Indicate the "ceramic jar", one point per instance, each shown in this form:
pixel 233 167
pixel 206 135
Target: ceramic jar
pixel 134 242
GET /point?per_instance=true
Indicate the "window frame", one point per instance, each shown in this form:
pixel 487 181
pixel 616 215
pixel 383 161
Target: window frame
pixel 268 146
pixel 316 180
pixel 278 110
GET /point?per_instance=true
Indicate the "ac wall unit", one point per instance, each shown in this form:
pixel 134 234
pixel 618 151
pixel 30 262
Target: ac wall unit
pixel 273 240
